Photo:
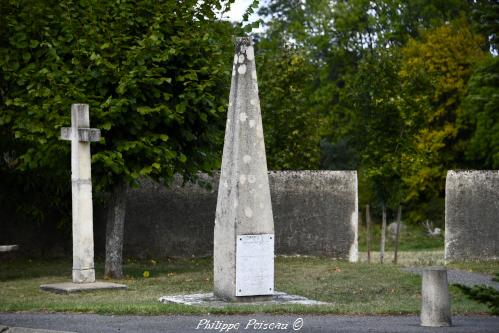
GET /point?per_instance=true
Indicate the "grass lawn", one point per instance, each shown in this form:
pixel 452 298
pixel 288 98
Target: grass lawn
pixel 412 238
pixel 350 288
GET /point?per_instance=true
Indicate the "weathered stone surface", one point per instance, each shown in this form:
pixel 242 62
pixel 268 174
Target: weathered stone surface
pixel 82 209
pixel 472 215
pixel 244 206
pixel 167 221
pixel 210 300
pixel 84 134
pixel 312 216
pixel 435 300
pixel 69 287
pixel 315 213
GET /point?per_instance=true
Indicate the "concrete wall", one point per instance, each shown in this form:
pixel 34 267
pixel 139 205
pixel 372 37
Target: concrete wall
pixel 315 213
pixel 472 215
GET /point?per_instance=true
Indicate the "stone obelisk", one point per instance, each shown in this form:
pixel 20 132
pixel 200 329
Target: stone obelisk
pixel 244 226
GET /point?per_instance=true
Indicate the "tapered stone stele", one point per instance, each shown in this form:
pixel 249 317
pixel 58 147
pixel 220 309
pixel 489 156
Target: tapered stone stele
pixel 244 219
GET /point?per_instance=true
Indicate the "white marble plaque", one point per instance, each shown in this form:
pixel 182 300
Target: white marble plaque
pixel 255 265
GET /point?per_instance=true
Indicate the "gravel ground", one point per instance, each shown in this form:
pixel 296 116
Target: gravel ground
pixel 462 277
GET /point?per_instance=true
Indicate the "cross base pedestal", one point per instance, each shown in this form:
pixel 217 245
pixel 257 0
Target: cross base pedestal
pixel 70 287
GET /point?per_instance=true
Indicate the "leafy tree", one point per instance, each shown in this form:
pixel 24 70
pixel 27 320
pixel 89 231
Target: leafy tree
pixel 354 48
pixel 485 15
pixel 290 118
pixel 154 73
pixel 373 125
pixel 480 110
pixel 366 112
pixel 434 75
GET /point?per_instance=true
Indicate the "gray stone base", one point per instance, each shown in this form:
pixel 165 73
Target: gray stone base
pixel 70 287
pixel 209 300
pixel 84 275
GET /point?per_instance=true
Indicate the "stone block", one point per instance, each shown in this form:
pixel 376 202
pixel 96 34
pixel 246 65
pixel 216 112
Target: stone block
pixel 315 213
pixel 472 215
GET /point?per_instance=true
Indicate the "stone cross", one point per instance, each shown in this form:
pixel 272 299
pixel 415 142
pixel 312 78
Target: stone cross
pixel 80 136
pixel 244 226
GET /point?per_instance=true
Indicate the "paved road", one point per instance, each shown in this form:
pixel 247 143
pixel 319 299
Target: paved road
pixel 462 277
pixel 83 323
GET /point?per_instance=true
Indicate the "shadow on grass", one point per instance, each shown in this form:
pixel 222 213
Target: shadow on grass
pixel 19 268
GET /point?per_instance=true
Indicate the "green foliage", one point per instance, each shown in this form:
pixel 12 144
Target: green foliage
pixel 374 125
pixel 366 121
pixel 434 75
pixel 485 15
pixel 154 73
pixel 290 120
pixel 481 107
pixel 248 27
pixel 399 90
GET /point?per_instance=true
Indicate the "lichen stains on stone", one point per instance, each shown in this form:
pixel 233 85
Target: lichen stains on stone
pixel 243 116
pixel 248 212
pixel 242 44
pixel 242 69
pixel 252 124
pixel 246 159
pixel 242 179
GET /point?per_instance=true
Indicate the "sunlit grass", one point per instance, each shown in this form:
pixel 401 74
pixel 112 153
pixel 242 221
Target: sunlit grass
pixel 350 288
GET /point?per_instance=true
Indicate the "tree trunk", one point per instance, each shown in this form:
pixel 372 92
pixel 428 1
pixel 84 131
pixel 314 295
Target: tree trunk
pixel 383 236
pixel 397 235
pixel 115 232
pixel 368 234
